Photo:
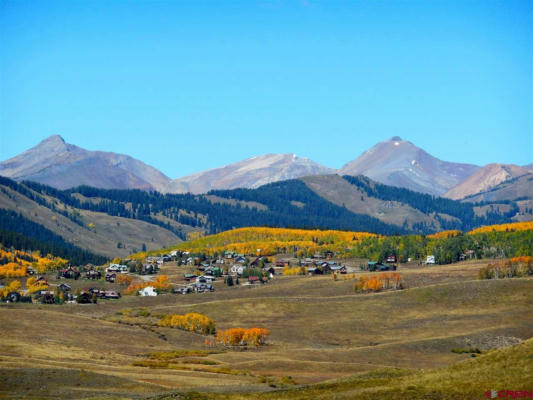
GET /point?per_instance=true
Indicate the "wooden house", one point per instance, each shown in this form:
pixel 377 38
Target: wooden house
pixel 64 287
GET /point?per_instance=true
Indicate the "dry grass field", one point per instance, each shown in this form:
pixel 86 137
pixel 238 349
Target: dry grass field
pixel 326 341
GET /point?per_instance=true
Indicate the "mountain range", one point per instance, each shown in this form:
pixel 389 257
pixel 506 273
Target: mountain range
pixel 394 162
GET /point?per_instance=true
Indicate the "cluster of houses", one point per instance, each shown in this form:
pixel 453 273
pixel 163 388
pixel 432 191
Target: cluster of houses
pixel 47 296
pixel 316 267
pixel 91 272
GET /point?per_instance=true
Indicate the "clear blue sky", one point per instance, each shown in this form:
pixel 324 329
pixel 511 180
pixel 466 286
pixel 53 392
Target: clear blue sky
pixel 191 85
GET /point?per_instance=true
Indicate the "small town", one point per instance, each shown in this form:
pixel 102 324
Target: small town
pixel 266 200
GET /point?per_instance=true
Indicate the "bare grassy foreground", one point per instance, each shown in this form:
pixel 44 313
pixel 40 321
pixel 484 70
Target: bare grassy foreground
pixel 326 342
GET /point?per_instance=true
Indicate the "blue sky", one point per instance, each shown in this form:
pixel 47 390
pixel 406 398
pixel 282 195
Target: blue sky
pixel 190 85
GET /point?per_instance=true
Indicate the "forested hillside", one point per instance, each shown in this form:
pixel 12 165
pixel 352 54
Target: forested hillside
pixel 121 222
pixel 22 234
pixel 509 240
pixel 287 204
pixel 463 213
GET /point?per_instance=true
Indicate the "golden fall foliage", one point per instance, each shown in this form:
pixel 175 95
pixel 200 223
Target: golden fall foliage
pixel 243 337
pixel 192 322
pixel 294 270
pixel 514 267
pixel 516 226
pixel 444 234
pixel 123 279
pixel 34 285
pixel 375 283
pixel 12 270
pixel 19 261
pixel 14 286
pixel 160 283
pixel 272 241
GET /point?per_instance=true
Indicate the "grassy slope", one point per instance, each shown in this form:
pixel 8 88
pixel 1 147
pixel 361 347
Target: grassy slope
pixel 321 330
pixel 340 192
pixel 103 239
pixel 505 369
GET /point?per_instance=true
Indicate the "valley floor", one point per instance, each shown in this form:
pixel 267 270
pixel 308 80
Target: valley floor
pixel 361 345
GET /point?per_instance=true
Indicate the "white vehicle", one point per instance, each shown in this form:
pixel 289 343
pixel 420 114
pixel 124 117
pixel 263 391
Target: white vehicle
pixel 430 259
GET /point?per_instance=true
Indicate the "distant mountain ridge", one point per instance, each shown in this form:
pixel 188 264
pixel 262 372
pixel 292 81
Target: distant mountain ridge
pixel 484 179
pixel 250 173
pixel 61 165
pixel 397 162
pixel 393 162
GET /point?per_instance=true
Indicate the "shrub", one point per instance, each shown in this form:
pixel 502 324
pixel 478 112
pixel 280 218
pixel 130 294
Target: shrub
pixel 122 279
pixel 515 267
pixel 294 270
pixel 375 283
pixel 243 337
pixel 192 322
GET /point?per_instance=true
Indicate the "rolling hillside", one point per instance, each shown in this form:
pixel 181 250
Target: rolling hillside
pixel 98 232
pixel 120 222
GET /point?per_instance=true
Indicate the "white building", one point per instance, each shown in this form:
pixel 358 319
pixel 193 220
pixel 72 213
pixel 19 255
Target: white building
pixel 148 291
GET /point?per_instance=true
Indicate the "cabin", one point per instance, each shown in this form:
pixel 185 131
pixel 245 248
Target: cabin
pixel 93 274
pixel 255 262
pixel 189 277
pixel 117 268
pixel 110 277
pixel 203 287
pixel 148 269
pixel 328 254
pixel 13 297
pixel 315 271
pixel 111 294
pixel 270 271
pixel 64 287
pixel 206 279
pixel 253 279
pixel 391 259
pixel 282 263
pixel 47 298
pixel 41 280
pixel 182 290
pixel 241 260
pixel 237 269
pixel 84 298
pixel 214 271
pixel 69 273
pixel 148 291
pixel 339 269
pixel 308 262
